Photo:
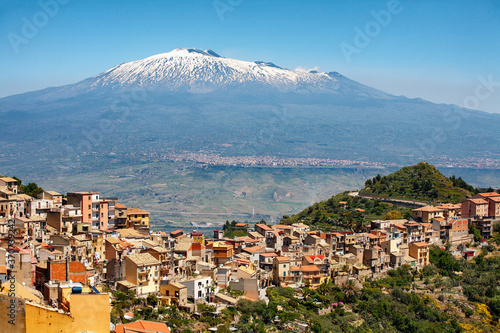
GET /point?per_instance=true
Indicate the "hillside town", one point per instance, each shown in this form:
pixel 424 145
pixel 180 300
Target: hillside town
pixel 61 256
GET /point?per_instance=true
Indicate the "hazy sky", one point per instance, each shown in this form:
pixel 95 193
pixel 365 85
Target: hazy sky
pixel 442 51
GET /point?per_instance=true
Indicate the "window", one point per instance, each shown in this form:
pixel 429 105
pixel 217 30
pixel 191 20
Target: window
pixel 89 206
pixel 143 216
pixel 135 216
pixel 102 214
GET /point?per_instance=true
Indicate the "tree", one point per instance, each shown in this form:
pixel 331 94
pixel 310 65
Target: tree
pixel 475 231
pixel 152 299
pixel 31 189
pixel 393 215
pixel 350 290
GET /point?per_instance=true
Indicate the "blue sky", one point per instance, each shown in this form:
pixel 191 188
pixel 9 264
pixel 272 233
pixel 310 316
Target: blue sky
pixel 433 49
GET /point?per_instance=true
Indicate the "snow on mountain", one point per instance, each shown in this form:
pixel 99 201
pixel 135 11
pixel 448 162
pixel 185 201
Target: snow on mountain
pixel 197 71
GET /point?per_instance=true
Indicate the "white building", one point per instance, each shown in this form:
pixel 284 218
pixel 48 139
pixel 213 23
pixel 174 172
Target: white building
pixel 198 288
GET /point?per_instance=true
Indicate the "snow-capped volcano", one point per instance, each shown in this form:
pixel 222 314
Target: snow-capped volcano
pixel 203 72
pixel 198 71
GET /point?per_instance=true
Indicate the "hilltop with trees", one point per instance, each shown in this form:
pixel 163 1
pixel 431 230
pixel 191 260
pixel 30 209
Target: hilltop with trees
pixel 421 182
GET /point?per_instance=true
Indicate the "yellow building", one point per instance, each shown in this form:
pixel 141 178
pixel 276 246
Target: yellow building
pixel 173 293
pixel 143 270
pixel 88 313
pixel 281 269
pixel 137 218
pixel 420 251
pixel 198 237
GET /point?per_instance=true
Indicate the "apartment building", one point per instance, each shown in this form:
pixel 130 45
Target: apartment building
pixel 143 270
pixel 420 251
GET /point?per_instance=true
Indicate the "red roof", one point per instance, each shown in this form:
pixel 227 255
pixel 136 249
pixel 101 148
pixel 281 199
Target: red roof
pixel 319 256
pixel 142 326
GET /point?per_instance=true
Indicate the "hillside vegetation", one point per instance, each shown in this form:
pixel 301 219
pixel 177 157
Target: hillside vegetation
pixel 421 182
pixel 346 212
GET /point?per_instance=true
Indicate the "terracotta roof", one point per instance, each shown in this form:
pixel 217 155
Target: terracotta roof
pixel 132 211
pixel 142 326
pixel 450 206
pixel 254 249
pixel 429 209
pixel 196 247
pixel 319 256
pixel 264 227
pixel 283 259
pixel 241 224
pixel 310 268
pixel 421 244
pixel 479 201
pixel 269 254
pixel 295 268
pixel 120 206
pixel 495 199
pixel 488 194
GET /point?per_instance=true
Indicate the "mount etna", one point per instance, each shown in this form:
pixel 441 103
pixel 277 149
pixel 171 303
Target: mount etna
pixel 190 101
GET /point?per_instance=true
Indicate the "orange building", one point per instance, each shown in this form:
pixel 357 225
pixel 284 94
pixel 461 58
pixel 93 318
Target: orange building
pixel 222 252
